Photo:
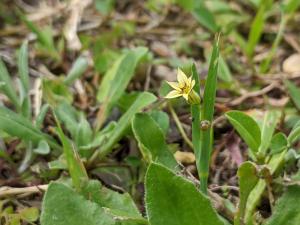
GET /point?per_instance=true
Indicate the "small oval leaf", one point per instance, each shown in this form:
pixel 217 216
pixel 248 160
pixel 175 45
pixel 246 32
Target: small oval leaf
pixel 246 127
pixel 279 143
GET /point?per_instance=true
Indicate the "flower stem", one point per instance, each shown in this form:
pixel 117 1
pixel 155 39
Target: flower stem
pixel 179 126
pixel 202 131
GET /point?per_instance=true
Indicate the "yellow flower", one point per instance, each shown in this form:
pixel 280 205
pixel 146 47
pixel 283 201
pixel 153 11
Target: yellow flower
pixel 184 88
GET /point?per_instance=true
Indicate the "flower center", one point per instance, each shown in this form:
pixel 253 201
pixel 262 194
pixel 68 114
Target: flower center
pixel 185 88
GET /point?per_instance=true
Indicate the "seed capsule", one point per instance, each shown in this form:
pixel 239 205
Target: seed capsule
pixel 204 125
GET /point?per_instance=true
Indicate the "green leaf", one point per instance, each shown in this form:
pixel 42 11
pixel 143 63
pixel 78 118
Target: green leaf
pixel 254 198
pixel 117 78
pixel 43 148
pixel 63 206
pixel 7 87
pixel 151 140
pixel 75 166
pixel 24 96
pixel 294 134
pixel 143 100
pixel 205 17
pixel 29 214
pixel 84 133
pixel 279 143
pixel 290 6
pixel 265 64
pixel 210 89
pixel 195 111
pixel 56 92
pixel 101 136
pixel 224 72
pixel 104 6
pixel 287 210
pixel 248 178
pixel 171 199
pixel 16 125
pixel 67 115
pixel 294 92
pixel 121 206
pixel 78 68
pixel 23 66
pixel 246 127
pixel 44 37
pixel 188 5
pixel 271 119
pixel 257 27
pixel 206 115
pixel 41 116
pixel 162 119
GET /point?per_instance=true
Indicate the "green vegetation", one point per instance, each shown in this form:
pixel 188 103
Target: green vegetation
pixel 155 112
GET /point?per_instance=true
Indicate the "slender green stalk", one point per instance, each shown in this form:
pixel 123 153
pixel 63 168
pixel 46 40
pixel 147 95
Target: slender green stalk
pixel 179 126
pixel 195 111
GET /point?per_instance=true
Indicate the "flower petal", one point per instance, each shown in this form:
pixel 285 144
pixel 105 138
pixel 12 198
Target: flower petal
pixel 174 85
pixel 192 84
pixel 185 96
pixel 173 94
pixel 181 77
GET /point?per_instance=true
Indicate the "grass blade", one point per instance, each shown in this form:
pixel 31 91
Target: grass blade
pixel 75 165
pixel 19 126
pixel 7 87
pixel 205 17
pixel 78 68
pixel 294 92
pixel 143 100
pixel 207 112
pixel 24 78
pixel 116 80
pixel 23 66
pixel 257 27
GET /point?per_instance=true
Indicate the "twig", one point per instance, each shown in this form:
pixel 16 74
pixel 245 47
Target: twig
pixel 263 91
pixel 7 191
pixel 148 77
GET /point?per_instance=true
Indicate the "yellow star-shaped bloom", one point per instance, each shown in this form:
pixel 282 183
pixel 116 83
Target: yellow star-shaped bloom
pixel 183 87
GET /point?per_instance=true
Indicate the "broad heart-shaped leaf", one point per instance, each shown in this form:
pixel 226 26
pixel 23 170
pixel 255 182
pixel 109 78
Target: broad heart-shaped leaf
pixel 121 206
pixel 152 141
pixel 63 206
pixel 162 119
pixel 287 210
pixel 247 181
pixel 110 207
pixel 173 200
pixel 246 127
